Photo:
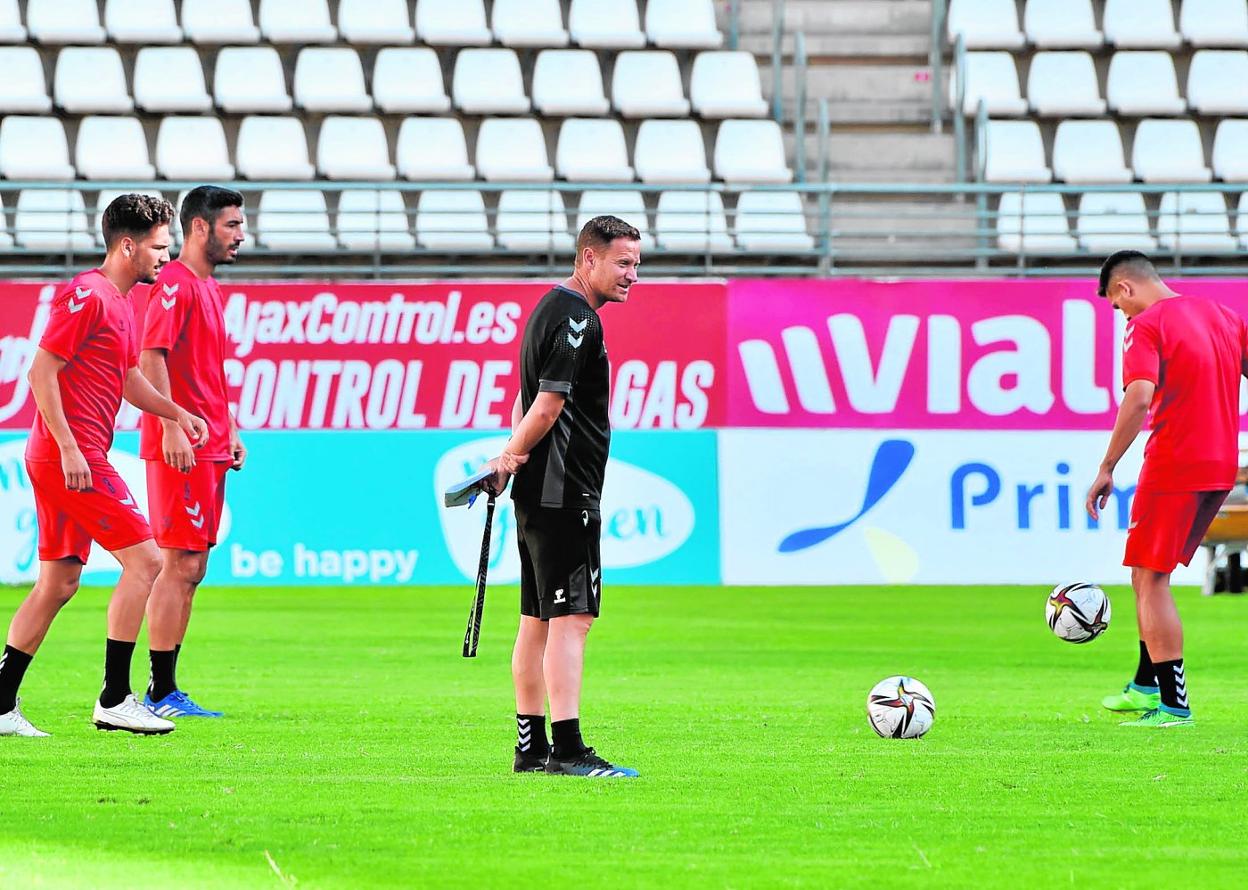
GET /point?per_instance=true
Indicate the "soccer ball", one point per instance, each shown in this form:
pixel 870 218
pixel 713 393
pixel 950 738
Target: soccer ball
pixel 1077 612
pixel 900 708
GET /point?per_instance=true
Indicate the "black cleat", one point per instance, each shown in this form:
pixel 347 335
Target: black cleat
pixel 588 764
pixel 529 762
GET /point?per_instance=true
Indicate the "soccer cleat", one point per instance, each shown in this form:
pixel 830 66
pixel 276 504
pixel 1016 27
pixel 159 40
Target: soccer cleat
pixel 130 716
pixel 1159 719
pixel 1132 699
pixel 528 762
pixel 15 723
pixel 177 704
pixel 588 764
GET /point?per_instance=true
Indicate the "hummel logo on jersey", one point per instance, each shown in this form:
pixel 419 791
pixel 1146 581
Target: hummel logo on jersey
pixel 1128 340
pixel 559 597
pixel 196 519
pixel 577 327
pixel 83 293
pixel 128 501
pixel 171 293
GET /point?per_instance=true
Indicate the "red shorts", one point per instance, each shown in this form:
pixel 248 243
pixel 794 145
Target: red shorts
pixel 70 520
pixel 1167 527
pixel 186 507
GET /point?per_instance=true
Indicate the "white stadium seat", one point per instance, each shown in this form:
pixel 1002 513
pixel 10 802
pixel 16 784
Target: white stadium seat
pixel 670 151
pixel 23 87
pixel 1062 84
pixel 647 84
pixel 488 81
pixel 433 148
pixel 683 24
pixel 452 220
pixel 1217 82
pixel 296 21
pixel 751 151
pixel 330 78
pixel 34 148
pixel 1214 22
pixel 1015 153
pixel 605 24
pixel 452 23
pixel 1194 222
pixel 11 28
pixel 64 21
pixel 529 23
pixel 170 78
pixel 568 82
pixel 592 150
pixel 90 78
pixel 1143 83
pixel 628 206
pixel 1034 223
pixel 1241 220
pixel 1169 151
pixel 294 220
pixel 6 238
pixel 512 150
pixel 373 220
pixel 353 148
pixel 1089 151
pixel 142 21
pixel 408 80
pixel 1230 152
pixel 1061 24
pixel 272 148
pixel 106 197
pixel 769 222
pixel 112 148
pixel 1142 24
pixel 1110 221
pixel 375 21
pixel 250 78
pixel 692 222
pixel 52 219
pixel 219 21
pixel 192 148
pixel 985 24
pixel 532 221
pixel 726 84
pixel 993 78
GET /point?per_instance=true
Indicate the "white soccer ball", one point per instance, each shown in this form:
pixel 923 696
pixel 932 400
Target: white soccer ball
pixel 900 708
pixel 1077 612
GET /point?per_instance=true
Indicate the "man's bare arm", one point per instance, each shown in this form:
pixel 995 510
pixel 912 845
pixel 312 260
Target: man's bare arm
pixel 1130 420
pixel 46 389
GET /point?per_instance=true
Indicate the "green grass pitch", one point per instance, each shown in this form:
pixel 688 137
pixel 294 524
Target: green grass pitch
pixel 361 750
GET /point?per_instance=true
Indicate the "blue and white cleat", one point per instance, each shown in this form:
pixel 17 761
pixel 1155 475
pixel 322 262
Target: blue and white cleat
pixel 588 764
pixel 178 704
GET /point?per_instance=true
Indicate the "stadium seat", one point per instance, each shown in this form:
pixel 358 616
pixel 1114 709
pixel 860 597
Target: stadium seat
pixel 408 80
pixel 296 21
pixel 512 150
pixel 1230 151
pixel 692 222
pixel 1061 24
pixel 1169 151
pixel 64 21
pixel 1015 153
pixel 605 24
pixel 353 148
pixel 1143 83
pixel 1194 222
pixel 985 24
pixel 529 23
pixel 1217 82
pixel 112 148
pixel 628 206
pixel 433 148
pixel 568 82
pixel 1062 84
pixel 375 21
pixel 592 150
pixel 34 148
pixel 90 79
pixel 11 31
pixel 1214 22
pixel 192 148
pixel 751 151
pixel 106 197
pixel 52 219
pixel 682 24
pixel 373 220
pixel 330 78
pixel 1089 151
pixel 294 220
pixel 1143 24
pixel 23 87
pixel 272 148
pixel 219 21
pixel 532 221
pixel 452 220
pixel 142 21
pixel 992 77
pixel 670 151
pixel 6 237
pixel 452 23
pixel 1241 220
pixel 1034 223
pixel 488 81
pixel 647 84
pixel 170 78
pixel 726 84
pixel 772 222
pixel 1110 221
pixel 250 78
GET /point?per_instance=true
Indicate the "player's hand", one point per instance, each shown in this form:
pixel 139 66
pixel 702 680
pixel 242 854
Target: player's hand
pixel 1098 494
pixel 74 467
pixel 195 427
pixel 498 483
pixel 177 449
pixel 238 452
pixel 512 462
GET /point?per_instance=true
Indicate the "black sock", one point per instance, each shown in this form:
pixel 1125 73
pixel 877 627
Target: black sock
pixel 1145 674
pixel 567 736
pixel 177 651
pixel 13 664
pixel 1173 685
pixel 117 655
pixel 164 674
pixel 531 734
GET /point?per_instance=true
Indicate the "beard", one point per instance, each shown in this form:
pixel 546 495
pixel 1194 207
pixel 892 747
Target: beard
pixel 219 252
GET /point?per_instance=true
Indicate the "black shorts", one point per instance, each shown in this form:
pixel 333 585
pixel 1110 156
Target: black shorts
pixel 560 561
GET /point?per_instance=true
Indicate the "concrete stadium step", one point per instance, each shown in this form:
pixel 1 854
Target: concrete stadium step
pixel 866 225
pixel 914 155
pixel 858 92
pixel 842 27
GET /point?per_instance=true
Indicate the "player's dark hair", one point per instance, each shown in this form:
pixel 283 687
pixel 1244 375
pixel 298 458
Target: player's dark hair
pixel 600 231
pixel 1134 261
pixel 135 216
pixel 206 202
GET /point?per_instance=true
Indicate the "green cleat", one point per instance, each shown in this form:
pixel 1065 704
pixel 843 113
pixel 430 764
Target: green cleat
pixel 1132 699
pixel 1159 719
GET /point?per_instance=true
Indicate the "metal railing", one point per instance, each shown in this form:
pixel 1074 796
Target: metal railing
pixel 936 62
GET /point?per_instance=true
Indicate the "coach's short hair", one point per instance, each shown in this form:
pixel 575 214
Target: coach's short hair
pixel 206 202
pixel 600 231
pixel 134 215
pixel 1133 260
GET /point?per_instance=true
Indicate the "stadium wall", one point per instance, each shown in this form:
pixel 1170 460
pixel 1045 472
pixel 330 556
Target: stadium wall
pixel 767 432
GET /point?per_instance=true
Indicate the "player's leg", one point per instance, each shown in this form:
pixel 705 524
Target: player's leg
pixel 532 746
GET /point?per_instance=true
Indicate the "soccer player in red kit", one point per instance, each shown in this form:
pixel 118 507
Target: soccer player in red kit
pixel 184 358
pixel 1183 357
pixel 86 362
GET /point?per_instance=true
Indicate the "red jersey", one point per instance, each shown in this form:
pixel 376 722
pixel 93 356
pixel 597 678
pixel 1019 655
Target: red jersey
pixel 91 327
pixel 1195 352
pixel 186 317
